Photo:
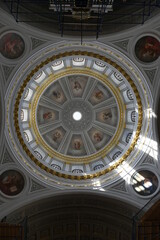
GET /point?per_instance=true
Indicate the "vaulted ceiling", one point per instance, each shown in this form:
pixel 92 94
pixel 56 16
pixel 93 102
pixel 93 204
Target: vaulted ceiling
pixel 112 150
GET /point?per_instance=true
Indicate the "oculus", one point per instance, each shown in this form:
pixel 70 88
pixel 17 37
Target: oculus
pixel 144 182
pixel 77 116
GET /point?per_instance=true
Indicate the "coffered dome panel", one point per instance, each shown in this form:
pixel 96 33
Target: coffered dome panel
pixel 78 115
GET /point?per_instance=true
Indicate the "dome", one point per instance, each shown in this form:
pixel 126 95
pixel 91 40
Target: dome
pixel 79 115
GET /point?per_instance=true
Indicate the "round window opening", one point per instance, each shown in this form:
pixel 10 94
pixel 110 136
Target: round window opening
pixel 144 182
pixel 77 116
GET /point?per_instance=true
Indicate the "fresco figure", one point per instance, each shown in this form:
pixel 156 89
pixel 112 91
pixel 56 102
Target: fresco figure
pixel 11 182
pixel 97 137
pixel 147 49
pixel 12 46
pixel 77 145
pixel 57 94
pixel 47 115
pixel 98 94
pixel 107 115
pixel 77 86
pixel 56 136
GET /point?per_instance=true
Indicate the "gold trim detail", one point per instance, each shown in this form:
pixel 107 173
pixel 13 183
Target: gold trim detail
pixel 85 176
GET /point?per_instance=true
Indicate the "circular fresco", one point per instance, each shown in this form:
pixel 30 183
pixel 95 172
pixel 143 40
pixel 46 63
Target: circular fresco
pixel 11 182
pixel 147 49
pixel 144 182
pixel 12 45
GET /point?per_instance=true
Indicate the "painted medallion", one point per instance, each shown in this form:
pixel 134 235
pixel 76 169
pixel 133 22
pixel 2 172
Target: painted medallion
pixel 12 45
pixel 147 49
pixel 11 182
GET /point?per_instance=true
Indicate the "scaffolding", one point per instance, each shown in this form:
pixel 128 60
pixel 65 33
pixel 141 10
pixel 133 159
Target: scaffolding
pixel 82 16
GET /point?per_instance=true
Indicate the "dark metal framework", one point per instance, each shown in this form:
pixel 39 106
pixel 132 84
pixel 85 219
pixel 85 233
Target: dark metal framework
pixel 81 18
